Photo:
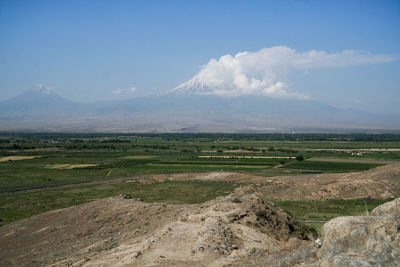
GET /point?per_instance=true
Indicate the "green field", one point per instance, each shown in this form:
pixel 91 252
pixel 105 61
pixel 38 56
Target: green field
pixel 127 155
pixel 16 207
pixel 47 161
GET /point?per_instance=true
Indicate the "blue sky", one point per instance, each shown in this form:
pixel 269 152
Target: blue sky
pixel 100 50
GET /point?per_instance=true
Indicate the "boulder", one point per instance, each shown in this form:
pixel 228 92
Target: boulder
pixel 362 240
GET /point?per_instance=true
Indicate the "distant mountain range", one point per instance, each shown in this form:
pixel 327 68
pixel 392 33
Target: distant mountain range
pixel 183 110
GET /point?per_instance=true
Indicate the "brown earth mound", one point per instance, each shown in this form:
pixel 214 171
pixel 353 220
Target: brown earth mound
pixel 123 231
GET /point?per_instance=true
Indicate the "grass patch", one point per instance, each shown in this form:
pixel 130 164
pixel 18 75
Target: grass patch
pixel 315 213
pixel 229 163
pixel 244 157
pixel 139 157
pixel 317 226
pixel 16 207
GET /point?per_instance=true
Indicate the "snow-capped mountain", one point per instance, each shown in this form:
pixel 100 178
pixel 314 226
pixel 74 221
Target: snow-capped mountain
pixel 194 85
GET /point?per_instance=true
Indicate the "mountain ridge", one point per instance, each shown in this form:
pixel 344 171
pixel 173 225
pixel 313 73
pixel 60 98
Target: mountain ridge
pixel 181 111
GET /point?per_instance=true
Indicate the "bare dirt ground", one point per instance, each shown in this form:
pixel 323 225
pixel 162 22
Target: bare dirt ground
pixel 9 158
pixel 69 166
pixel 380 183
pixel 236 229
pixel 119 231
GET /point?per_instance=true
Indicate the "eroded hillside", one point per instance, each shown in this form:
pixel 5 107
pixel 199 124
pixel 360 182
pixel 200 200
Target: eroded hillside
pixel 243 228
pixel 127 231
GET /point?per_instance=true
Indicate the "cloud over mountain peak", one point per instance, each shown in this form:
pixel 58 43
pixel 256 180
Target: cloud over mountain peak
pixel 40 88
pixel 265 72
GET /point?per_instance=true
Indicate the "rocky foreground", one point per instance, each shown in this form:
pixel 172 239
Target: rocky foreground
pixel 241 229
pixel 363 240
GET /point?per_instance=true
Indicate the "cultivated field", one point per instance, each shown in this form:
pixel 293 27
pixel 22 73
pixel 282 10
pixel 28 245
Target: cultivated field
pixel 41 172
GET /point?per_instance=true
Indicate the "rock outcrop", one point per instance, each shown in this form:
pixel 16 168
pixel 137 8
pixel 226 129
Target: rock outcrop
pixel 362 240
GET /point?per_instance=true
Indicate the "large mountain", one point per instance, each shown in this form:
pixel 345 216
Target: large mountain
pixel 182 110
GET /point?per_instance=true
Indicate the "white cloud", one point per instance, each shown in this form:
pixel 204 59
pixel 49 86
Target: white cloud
pixel 42 89
pixel 125 91
pixel 266 71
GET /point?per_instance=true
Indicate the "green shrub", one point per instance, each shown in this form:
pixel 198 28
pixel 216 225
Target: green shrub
pixel 262 214
pixel 236 200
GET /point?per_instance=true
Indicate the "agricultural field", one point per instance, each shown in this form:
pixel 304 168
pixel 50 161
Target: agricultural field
pixel 41 172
